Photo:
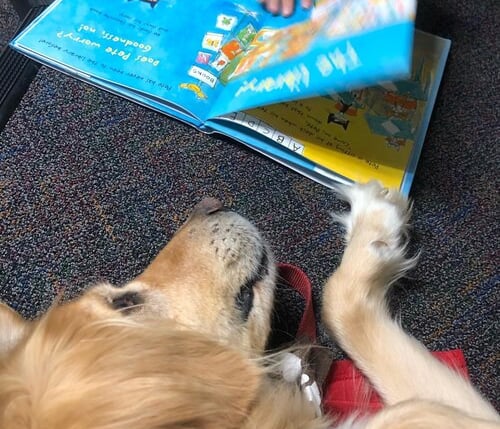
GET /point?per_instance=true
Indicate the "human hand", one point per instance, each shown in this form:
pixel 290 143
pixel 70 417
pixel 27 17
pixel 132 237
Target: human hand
pixel 284 7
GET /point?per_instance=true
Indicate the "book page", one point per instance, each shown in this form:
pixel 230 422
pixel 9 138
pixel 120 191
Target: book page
pixel 343 44
pixel 329 19
pixel 216 56
pixel 339 134
pixel 364 134
pixel 167 49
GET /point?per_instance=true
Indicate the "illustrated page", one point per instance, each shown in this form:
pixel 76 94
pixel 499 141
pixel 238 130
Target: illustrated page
pixel 170 49
pixel 369 133
pixel 343 44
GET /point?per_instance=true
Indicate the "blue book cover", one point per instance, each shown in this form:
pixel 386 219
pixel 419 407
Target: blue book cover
pixel 211 58
pixel 200 61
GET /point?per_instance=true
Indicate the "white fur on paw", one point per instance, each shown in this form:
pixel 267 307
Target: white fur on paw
pixel 392 210
pixel 380 216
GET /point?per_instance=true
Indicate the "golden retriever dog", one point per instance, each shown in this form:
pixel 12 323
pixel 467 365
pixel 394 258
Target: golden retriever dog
pixel 182 345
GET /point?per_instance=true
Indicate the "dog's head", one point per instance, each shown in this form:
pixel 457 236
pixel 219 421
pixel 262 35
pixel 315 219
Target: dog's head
pixel 182 331
pixel 216 277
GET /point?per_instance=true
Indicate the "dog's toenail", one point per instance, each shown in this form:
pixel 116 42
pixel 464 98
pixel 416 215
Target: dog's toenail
pixel 378 244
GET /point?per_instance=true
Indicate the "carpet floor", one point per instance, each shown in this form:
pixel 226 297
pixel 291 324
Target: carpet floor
pixel 92 186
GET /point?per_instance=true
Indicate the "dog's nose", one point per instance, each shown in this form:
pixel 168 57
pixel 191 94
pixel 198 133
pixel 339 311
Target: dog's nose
pixel 208 206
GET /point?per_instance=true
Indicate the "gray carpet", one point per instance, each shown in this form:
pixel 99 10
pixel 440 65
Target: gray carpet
pixel 92 186
pixel 8 22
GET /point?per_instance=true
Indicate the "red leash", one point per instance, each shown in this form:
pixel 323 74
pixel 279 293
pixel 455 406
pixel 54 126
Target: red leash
pixel 346 389
pixel 297 280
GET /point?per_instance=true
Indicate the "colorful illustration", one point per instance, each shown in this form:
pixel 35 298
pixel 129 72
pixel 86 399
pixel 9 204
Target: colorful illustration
pixel 392 109
pixel 226 22
pixel 369 132
pixel 346 104
pixel 349 103
pixel 198 61
pixel 249 45
pixel 194 88
pixel 329 19
pixel 339 119
pixel 231 49
pixel 239 30
pixel 220 62
pixel 247 34
pixel 257 54
pixel 203 57
pixel 212 41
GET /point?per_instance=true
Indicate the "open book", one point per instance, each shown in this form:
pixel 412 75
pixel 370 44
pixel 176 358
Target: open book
pixel 342 92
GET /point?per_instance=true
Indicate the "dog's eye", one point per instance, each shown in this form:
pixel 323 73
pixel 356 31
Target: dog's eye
pixel 127 302
pixel 244 300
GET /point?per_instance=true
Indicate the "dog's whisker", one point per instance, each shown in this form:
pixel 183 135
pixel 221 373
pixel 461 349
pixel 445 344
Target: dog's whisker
pixel 132 307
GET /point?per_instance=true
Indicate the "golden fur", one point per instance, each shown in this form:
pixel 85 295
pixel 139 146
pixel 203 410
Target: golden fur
pixel 181 346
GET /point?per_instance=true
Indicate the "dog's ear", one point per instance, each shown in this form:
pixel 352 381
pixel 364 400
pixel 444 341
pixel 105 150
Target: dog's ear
pixel 12 329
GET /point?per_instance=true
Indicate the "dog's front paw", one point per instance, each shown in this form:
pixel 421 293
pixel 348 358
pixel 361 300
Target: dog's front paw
pixel 377 226
pixel 384 212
